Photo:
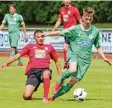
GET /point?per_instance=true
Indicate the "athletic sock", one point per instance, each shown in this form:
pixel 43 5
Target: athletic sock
pixel 65 74
pixel 46 86
pixel 63 90
pixel 12 53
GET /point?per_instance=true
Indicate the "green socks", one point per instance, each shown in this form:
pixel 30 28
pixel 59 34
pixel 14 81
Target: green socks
pixel 65 74
pixel 12 53
pixel 63 90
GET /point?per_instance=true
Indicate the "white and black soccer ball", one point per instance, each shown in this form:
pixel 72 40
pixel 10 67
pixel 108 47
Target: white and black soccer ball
pixel 80 94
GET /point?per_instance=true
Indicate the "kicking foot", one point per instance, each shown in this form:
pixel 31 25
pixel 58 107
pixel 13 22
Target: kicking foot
pixel 56 88
pixel 51 99
pixel 45 99
pixel 20 64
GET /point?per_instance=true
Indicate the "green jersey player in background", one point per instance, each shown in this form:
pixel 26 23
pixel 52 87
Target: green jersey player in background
pixel 82 37
pixel 14 20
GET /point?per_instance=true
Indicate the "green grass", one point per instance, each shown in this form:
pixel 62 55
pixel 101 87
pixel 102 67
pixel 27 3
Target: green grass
pixel 97 82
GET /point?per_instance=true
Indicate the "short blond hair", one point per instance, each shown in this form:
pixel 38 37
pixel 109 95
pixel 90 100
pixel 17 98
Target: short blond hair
pixel 88 10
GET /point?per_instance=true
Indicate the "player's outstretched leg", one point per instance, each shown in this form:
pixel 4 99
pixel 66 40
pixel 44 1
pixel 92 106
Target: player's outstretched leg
pixel 58 85
pixel 64 89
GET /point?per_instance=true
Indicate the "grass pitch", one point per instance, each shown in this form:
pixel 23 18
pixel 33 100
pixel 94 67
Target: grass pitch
pixel 97 82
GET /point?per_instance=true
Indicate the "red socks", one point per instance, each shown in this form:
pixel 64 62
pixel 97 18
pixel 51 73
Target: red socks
pixel 46 86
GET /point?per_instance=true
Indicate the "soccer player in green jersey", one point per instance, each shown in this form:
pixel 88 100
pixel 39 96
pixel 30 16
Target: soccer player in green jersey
pixel 82 37
pixel 14 20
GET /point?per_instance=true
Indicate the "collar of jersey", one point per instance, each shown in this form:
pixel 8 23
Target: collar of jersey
pixel 14 14
pixel 84 29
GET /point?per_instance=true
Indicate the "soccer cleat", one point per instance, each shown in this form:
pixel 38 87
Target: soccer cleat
pixel 20 64
pixel 56 88
pixel 51 99
pixel 45 99
pixel 66 66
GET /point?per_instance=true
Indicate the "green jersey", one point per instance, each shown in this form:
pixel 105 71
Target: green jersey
pixel 13 22
pixel 81 41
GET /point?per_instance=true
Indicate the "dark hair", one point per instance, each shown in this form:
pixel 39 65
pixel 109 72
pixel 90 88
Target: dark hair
pixel 12 5
pixel 37 31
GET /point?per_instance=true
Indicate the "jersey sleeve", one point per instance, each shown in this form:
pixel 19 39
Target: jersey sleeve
pixel 25 50
pixel 76 13
pixel 53 54
pixel 68 32
pixel 4 20
pixel 97 41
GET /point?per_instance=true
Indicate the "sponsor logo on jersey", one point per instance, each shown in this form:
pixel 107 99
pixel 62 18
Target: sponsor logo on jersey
pixel 40 53
pixel 84 43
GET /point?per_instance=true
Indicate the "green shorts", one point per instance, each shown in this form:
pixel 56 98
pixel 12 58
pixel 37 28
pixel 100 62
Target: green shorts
pixel 82 66
pixel 13 39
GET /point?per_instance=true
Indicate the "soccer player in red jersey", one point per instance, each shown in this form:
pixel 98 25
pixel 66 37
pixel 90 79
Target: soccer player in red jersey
pixel 69 16
pixel 37 70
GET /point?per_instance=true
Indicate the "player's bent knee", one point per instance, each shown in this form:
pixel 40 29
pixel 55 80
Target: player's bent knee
pixel 46 74
pixel 72 67
pixel 26 96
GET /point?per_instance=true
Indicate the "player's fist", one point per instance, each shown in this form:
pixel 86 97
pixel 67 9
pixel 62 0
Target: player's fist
pixel 4 65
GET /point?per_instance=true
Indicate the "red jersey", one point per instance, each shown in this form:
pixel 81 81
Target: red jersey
pixel 39 55
pixel 69 15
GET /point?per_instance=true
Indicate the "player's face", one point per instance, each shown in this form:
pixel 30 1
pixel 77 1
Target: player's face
pixel 12 10
pixel 66 2
pixel 87 18
pixel 39 39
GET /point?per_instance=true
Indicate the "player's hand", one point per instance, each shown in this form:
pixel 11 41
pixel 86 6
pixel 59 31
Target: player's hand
pixel 108 61
pixel 4 65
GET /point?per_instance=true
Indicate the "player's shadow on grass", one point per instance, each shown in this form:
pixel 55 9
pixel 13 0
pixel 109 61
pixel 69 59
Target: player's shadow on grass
pixel 36 99
pixel 89 99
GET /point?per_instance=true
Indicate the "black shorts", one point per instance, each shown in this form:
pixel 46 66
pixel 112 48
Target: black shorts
pixel 35 77
pixel 67 40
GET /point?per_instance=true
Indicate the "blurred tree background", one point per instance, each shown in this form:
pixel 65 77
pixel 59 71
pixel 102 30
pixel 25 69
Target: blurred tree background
pixel 46 12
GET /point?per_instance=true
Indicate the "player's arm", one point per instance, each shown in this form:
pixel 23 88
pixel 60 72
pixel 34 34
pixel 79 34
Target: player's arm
pixel 58 66
pixel 97 44
pixel 23 52
pixel 57 24
pixel 66 32
pixel 77 15
pixel 1 27
pixel 11 60
pixel 24 30
pixel 100 51
pixel 56 60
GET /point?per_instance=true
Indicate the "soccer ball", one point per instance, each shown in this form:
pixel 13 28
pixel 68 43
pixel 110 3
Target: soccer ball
pixel 80 94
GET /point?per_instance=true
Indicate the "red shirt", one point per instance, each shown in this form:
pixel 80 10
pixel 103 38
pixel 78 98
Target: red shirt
pixel 69 16
pixel 39 55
